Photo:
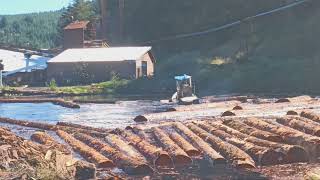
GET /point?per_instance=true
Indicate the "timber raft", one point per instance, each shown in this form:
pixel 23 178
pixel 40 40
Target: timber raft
pixel 238 143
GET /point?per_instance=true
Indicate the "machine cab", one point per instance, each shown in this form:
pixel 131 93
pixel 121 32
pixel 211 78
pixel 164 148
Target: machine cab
pixel 184 94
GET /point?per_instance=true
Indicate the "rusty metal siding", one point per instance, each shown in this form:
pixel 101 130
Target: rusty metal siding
pixel 73 38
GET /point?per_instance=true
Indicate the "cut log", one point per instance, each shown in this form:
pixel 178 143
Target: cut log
pixel 43 126
pixel 290 136
pixel 184 144
pixel 124 147
pixel 87 152
pixel 293 153
pixel 47 140
pixel 252 131
pixel 178 155
pixel 234 155
pixel 237 108
pixel 283 100
pixel 310 115
pixel 300 125
pixel 292 113
pixel 157 155
pixel 212 155
pixel 140 118
pixel 128 164
pixel 73 130
pixel 67 124
pixel 60 102
pixel 262 155
pixel 228 113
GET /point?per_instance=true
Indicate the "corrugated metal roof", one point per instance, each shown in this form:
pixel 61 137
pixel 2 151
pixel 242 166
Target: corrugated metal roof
pixel 77 25
pixel 15 62
pixel 101 54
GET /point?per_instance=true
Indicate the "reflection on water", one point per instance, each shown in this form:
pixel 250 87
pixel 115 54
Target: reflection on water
pixel 116 115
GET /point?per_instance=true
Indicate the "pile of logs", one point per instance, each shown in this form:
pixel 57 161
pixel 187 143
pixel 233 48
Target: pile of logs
pixel 241 143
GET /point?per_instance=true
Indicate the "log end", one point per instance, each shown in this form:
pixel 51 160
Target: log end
pixel 140 118
pixel 164 160
pixel 292 113
pixel 296 154
pixel 182 160
pixel 228 113
pixel 282 100
pixel 220 162
pixel 193 152
pixel 245 164
pixel 237 108
pixel 271 157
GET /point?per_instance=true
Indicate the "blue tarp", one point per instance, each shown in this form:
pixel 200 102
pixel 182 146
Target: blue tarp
pixel 182 78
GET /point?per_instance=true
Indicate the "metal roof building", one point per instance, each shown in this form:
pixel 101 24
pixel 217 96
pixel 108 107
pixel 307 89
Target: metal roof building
pixel 90 65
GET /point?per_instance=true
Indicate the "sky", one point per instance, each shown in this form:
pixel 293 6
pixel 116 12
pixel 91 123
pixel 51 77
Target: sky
pixel 29 6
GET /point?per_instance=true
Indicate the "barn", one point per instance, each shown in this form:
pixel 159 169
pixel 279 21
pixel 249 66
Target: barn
pixel 92 65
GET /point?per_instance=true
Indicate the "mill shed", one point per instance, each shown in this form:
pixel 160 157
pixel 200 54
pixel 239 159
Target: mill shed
pixel 91 65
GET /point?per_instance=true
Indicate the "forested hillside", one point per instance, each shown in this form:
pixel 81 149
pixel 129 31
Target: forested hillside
pixel 37 30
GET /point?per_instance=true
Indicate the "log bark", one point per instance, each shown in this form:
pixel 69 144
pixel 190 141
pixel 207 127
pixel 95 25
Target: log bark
pixel 43 126
pixel 290 136
pixel 302 126
pixel 178 155
pixel 252 131
pixel 87 152
pixel 234 155
pixel 212 155
pixel 47 140
pixel 293 153
pixel 262 155
pixel 78 126
pixel 128 164
pixel 310 115
pixel 184 144
pixel 89 132
pixel 157 155
pixel 124 147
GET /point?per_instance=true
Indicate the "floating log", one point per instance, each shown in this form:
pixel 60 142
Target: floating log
pixel 87 152
pixel 140 118
pixel 293 153
pixel 124 147
pixel 228 113
pixel 158 156
pixel 236 156
pixel 290 136
pixel 59 102
pixel 283 100
pixel 89 128
pixel 262 155
pixel 179 156
pixel 213 155
pixel 94 101
pixel 184 144
pixel 300 125
pixel 292 113
pixel 237 125
pixel 237 108
pixel 38 125
pixel 310 115
pixel 47 140
pixel 128 164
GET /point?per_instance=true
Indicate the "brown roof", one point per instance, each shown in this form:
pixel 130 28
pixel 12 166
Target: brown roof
pixel 77 25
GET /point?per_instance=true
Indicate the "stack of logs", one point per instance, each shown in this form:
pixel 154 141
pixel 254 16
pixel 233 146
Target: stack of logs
pixel 243 143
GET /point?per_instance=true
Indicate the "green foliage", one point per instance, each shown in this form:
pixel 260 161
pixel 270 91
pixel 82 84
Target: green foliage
pixel 53 85
pixel 36 30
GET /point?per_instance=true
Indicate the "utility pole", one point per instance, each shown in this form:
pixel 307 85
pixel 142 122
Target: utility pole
pixel 1 69
pixel 27 56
